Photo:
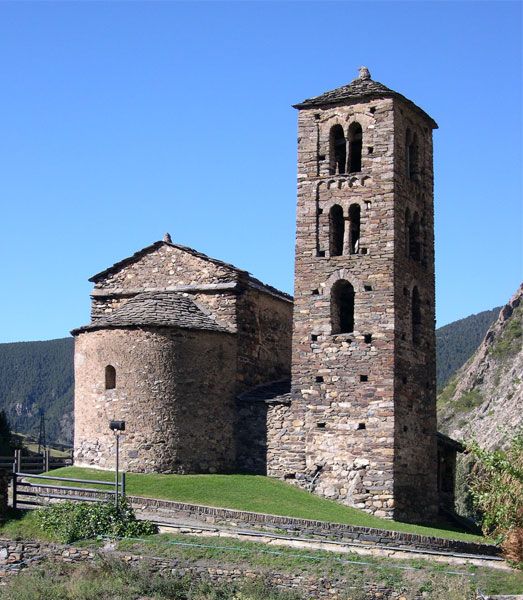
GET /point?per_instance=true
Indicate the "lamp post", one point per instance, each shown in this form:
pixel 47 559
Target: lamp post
pixel 116 427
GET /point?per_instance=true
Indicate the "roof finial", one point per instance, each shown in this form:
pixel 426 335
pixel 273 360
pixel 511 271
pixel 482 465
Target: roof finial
pixel 364 73
pixel 167 238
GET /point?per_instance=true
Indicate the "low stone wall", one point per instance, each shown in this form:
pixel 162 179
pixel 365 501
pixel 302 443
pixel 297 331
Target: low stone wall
pixel 311 529
pixel 17 555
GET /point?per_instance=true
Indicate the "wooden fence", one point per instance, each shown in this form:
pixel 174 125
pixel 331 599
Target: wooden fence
pixel 33 464
pixel 27 491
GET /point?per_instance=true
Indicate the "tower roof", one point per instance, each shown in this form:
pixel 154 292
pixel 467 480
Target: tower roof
pixel 363 87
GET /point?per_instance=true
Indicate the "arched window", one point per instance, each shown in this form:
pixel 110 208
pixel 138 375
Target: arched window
pixel 415 308
pixel 354 228
pixel 338 150
pixel 414 238
pixel 355 144
pixel 342 307
pixel 411 154
pixel 110 377
pixel 336 230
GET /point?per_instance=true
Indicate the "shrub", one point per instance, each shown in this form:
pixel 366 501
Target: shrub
pixel 496 484
pixel 72 521
pixel 513 546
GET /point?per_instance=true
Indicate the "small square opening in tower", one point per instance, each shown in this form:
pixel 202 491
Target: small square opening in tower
pixel 321 253
pixel 321 425
pixel 362 426
pixel 372 109
pixel 367 288
pixel 314 337
pixel 363 251
pixel 364 377
pixel 319 379
pixel 368 338
pixel 315 292
pixel 370 149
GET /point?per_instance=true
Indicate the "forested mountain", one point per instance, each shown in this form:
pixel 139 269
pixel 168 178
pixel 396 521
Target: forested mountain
pixel 35 377
pixel 38 376
pixel 456 342
pixel 484 399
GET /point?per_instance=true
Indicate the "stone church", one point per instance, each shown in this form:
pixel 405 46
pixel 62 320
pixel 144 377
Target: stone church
pixel 213 371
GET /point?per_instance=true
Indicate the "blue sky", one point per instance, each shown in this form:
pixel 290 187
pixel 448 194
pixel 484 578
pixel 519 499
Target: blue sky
pixel 120 121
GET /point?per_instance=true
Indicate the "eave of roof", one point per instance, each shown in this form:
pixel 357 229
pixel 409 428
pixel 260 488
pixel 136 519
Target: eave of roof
pixel 360 89
pixel 158 309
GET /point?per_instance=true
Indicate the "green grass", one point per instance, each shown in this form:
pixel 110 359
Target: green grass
pixel 22 525
pixel 396 573
pixel 257 494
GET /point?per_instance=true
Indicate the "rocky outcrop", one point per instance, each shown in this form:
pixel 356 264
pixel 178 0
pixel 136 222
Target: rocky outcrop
pixel 484 400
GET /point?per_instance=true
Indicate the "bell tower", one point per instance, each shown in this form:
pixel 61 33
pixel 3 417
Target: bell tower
pixel 363 367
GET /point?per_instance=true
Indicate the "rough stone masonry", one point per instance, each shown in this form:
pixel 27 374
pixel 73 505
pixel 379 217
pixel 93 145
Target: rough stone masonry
pixel 195 354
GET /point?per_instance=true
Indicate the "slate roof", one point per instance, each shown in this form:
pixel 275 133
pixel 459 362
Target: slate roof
pixel 252 281
pixel 272 392
pixel 356 90
pixel 157 309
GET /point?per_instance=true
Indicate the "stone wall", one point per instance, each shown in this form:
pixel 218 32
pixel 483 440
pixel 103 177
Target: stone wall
pixel 363 403
pixel 175 391
pixel 264 330
pixel 163 268
pixel 415 452
pixel 17 555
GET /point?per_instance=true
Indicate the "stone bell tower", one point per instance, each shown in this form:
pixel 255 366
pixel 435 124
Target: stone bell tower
pixel 363 368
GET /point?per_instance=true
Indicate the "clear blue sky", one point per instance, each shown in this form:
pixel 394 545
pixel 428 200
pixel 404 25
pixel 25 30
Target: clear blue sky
pixel 120 121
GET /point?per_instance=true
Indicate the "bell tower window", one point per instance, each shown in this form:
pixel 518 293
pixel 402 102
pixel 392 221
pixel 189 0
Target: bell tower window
pixel 338 151
pixel 355 145
pixel 354 228
pixel 342 307
pixel 416 316
pixel 336 230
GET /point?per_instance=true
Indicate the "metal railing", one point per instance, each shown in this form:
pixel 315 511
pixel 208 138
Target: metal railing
pixel 24 489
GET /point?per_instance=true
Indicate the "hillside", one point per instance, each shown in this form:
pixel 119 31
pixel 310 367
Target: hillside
pixel 456 342
pixel 484 399
pixel 37 376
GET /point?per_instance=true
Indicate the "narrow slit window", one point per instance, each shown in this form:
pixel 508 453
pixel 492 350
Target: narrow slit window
pixel 338 150
pixel 354 228
pixel 342 307
pixel 411 152
pixel 416 316
pixel 110 377
pixel 355 146
pixel 336 230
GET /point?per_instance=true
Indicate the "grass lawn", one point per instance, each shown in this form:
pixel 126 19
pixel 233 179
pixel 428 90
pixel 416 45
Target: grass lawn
pixel 257 494
pixel 399 574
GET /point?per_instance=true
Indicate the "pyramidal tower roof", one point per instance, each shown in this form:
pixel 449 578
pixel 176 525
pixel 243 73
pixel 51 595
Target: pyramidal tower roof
pixel 361 88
